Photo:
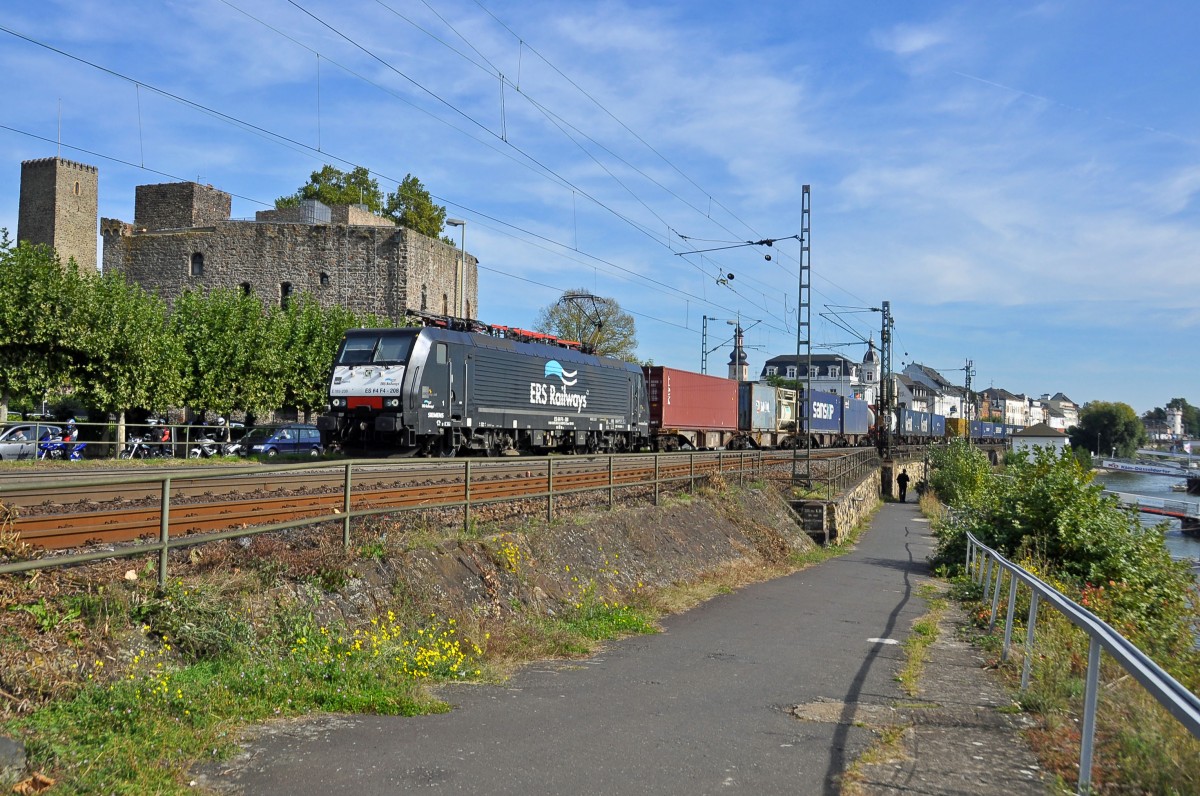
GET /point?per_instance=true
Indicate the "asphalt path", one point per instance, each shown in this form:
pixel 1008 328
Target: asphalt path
pixel 703 707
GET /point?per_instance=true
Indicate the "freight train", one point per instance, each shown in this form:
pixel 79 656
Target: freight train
pixel 492 390
pixel 919 428
pixel 454 388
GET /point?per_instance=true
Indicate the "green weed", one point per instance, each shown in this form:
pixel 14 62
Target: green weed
pixel 49 617
pixel 138 728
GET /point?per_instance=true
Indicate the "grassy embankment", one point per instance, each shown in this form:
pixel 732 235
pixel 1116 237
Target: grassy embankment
pixel 116 687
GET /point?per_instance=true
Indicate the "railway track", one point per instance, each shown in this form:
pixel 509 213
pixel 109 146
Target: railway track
pixel 114 508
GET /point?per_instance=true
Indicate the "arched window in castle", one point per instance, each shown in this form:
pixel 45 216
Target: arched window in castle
pixel 468 309
pixel 197 264
pixel 324 279
pixel 285 294
pixel 77 187
pixel 445 305
pixel 245 286
pixel 424 298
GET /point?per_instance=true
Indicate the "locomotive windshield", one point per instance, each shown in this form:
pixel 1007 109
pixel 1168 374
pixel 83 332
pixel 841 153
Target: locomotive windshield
pixel 390 347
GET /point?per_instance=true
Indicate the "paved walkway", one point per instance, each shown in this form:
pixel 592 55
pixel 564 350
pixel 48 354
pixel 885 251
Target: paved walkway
pixel 776 688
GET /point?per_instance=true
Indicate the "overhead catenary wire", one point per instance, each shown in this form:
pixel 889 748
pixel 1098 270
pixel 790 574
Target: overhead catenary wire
pixel 555 119
pixel 506 225
pixel 299 146
pixel 631 222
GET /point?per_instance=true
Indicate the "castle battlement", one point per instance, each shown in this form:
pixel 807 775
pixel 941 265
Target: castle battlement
pixel 62 162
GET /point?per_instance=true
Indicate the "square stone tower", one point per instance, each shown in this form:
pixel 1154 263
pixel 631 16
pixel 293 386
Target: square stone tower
pixel 179 205
pixel 59 208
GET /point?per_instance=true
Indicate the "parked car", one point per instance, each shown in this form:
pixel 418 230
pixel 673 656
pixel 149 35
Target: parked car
pixel 20 441
pixel 282 439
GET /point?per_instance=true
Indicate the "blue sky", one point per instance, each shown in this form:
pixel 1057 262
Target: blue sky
pixel 1019 180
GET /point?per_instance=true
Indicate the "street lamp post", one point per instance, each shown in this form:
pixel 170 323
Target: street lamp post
pixel 460 277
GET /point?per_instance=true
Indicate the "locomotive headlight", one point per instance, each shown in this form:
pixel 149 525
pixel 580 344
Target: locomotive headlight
pixel 393 402
pixel 335 402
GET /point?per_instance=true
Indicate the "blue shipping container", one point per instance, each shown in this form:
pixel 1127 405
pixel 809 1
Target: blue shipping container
pixel 826 413
pixel 914 424
pixel 856 416
pixel 937 425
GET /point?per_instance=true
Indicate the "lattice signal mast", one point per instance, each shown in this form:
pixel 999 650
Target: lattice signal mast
pixel 804 333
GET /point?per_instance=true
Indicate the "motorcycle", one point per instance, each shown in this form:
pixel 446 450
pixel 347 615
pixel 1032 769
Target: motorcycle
pixel 57 449
pixel 207 447
pixel 142 448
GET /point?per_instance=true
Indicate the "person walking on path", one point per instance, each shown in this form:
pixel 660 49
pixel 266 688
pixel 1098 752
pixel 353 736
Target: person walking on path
pixel 902 482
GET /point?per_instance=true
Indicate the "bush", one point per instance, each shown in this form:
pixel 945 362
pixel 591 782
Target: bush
pixel 1044 507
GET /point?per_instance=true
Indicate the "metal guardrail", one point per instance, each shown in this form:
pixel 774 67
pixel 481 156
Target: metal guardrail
pixel 986 565
pixel 846 472
pixel 737 463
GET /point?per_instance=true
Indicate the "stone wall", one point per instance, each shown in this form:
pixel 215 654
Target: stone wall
pixel 58 208
pixel 357 216
pixel 376 269
pixel 433 272
pixel 853 507
pixel 838 517
pixel 179 205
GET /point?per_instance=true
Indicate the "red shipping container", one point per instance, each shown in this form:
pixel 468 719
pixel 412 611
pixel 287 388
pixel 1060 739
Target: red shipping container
pixel 680 399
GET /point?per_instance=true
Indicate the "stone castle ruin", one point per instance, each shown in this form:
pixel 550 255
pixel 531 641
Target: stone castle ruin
pixel 182 237
pixel 59 204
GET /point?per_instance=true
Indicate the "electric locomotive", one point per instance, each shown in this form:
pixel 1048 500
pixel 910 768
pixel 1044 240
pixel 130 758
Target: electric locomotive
pixel 490 390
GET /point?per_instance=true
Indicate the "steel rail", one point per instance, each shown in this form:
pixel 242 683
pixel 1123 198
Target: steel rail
pixel 543 478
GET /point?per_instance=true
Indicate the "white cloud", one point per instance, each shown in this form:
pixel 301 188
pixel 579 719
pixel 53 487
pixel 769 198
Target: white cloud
pixel 907 39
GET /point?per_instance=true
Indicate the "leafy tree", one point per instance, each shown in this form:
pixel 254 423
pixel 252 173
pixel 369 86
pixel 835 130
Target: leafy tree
pixel 133 360
pixel 233 351
pixel 597 322
pixel 40 327
pixel 1105 426
pixel 411 206
pixel 333 186
pixel 312 337
pixel 1191 415
pixel 775 380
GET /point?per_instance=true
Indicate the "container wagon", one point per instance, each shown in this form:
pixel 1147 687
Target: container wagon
pixel 913 427
pixel 957 427
pixel 690 411
pixel 826 423
pixel 937 427
pixel 857 420
pixel 758 415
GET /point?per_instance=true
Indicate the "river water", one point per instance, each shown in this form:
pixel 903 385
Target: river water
pixel 1181 545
